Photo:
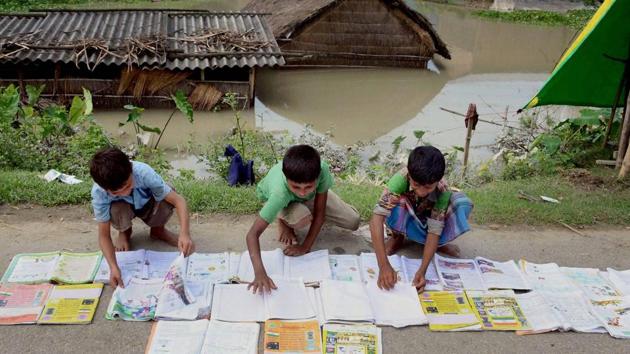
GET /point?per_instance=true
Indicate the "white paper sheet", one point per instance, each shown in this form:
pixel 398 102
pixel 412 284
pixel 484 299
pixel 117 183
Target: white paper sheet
pixel 158 263
pixel 131 264
pixel 614 313
pixel 620 279
pixel 501 275
pixel 315 298
pixel 289 301
pixel 231 338
pixel 312 267
pixel 547 277
pixel 370 269
pixel 345 267
pixel 590 282
pixel 398 307
pixel 184 337
pixel 213 267
pixel 573 308
pixel 411 265
pixel 540 316
pixel 272 260
pixel 235 303
pixel 345 301
pixel 458 274
pixel 31 268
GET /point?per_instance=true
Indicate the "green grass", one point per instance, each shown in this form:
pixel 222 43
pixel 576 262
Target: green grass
pixel 573 18
pixel 495 203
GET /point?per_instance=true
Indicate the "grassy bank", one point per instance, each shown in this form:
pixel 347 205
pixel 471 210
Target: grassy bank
pixel 573 18
pixel 495 203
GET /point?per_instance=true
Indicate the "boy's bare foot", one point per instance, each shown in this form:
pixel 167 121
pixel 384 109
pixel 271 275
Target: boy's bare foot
pixel 123 243
pixel 450 250
pixel 286 235
pixel 394 243
pixel 160 233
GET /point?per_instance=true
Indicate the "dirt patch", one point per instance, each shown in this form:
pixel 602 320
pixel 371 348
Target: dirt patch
pixel 583 178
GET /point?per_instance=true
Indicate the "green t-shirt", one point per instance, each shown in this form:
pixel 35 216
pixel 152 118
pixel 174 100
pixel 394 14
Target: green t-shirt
pixel 275 192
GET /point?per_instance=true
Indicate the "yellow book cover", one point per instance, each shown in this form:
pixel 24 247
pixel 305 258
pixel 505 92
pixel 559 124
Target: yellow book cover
pixel 341 338
pixel 292 337
pixel 77 268
pixel 498 310
pixel 71 304
pixel 448 311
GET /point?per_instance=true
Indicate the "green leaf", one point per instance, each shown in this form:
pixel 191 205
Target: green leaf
pixel 458 148
pixel 33 93
pixel 149 129
pixel 9 103
pixel 419 134
pixel 550 143
pixel 181 101
pixel 77 108
pixel 87 97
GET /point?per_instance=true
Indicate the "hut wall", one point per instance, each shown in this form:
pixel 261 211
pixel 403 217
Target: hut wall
pixel 360 32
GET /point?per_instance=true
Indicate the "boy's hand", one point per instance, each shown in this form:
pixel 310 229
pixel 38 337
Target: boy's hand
pixel 419 281
pixel 185 244
pixel 115 279
pixel 387 277
pixel 262 284
pixel 296 250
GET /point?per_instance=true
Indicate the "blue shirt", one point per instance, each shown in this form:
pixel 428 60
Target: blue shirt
pixel 146 184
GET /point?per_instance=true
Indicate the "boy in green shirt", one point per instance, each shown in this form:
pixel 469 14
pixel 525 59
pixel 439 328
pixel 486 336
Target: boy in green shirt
pixel 416 204
pixel 297 192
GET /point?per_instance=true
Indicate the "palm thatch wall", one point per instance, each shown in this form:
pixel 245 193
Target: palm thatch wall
pixel 351 32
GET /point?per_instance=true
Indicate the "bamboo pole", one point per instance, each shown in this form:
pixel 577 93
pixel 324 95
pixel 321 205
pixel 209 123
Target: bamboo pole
pixel 625 166
pixel 622 84
pixel 471 121
pixel 625 135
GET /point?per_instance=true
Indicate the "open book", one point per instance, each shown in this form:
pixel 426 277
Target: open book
pixel 203 336
pixel 501 275
pixel 22 303
pixel 139 264
pixel 449 311
pixel 497 310
pixel 458 274
pixel 345 267
pixel 345 301
pixel 547 277
pixel 614 313
pixel 591 283
pixel 311 267
pixel 137 301
pixel 235 303
pixel 397 307
pixel 292 337
pixel 406 269
pixel 620 279
pixel 573 311
pixel 60 267
pixel 540 315
pixel 341 338
pixel 71 304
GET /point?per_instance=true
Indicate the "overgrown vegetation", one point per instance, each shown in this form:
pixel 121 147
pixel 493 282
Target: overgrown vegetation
pixel 572 18
pixel 25 5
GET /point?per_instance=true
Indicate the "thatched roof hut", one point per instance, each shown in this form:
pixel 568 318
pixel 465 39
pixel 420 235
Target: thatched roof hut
pixel 136 56
pixel 351 32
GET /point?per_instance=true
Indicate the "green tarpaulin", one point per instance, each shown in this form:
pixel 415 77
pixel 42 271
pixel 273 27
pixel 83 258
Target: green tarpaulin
pixel 586 75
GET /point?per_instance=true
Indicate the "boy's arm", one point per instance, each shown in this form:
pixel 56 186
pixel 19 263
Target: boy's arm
pixel 184 241
pixel 262 283
pixel 430 247
pixel 387 276
pixel 319 215
pixel 107 247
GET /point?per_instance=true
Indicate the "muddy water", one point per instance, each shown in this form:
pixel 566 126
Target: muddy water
pixel 497 65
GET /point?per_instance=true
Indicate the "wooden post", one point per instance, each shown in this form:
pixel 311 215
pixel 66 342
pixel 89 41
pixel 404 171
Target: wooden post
pixel 20 75
pixel 625 166
pixel 252 86
pixel 57 77
pixel 625 135
pixel 471 123
pixel 622 84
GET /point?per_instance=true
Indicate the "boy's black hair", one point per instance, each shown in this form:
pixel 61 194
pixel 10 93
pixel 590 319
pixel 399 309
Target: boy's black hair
pixel 110 168
pixel 426 165
pixel 301 164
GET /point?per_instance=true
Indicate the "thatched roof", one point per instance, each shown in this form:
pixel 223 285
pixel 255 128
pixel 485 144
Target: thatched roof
pixel 288 16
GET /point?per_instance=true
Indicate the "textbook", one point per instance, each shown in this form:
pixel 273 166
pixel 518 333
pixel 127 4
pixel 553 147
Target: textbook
pixel 547 277
pixel 132 264
pixel 573 310
pixel 59 267
pixel 22 303
pixel 345 267
pixel 448 311
pixel 342 338
pixel 137 301
pixel 397 307
pixel 235 303
pixel 458 274
pixel 497 310
pixel 212 267
pixel 203 336
pixel 345 301
pixel 312 267
pixel 539 313
pixel 614 313
pixel 71 304
pixel 591 283
pixel 501 275
pixel 292 337
pixel 370 270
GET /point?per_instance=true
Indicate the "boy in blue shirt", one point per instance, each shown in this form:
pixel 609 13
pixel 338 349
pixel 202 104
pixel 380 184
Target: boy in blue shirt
pixel 124 189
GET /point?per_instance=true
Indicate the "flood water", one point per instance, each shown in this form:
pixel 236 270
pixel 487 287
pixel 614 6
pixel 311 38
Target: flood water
pixel 497 65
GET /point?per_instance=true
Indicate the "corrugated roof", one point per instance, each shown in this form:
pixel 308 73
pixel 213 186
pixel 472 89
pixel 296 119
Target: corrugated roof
pixel 53 37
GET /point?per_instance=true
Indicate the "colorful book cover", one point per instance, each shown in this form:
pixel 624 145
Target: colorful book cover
pixel 292 337
pixel 364 339
pixel 448 311
pixel 71 304
pixel 497 310
pixel 21 303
